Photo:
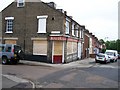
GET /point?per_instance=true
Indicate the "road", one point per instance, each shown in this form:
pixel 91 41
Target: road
pixel 97 76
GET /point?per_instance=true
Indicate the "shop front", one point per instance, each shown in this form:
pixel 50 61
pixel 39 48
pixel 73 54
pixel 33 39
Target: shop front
pixel 64 49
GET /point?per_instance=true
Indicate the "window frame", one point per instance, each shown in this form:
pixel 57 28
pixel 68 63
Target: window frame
pixel 39 18
pixel 67 26
pixel 73 29
pixel 9 24
pixel 20 2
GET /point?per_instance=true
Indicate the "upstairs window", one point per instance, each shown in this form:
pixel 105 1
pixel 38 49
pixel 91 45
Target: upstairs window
pixel 73 29
pixel 42 24
pixel 81 33
pixel 67 24
pixel 20 3
pixel 9 24
pixel 76 31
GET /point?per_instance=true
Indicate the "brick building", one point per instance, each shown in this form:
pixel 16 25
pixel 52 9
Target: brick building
pixel 91 45
pixel 42 30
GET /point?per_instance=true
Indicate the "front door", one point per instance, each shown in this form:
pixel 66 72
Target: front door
pixel 79 50
pixel 57 55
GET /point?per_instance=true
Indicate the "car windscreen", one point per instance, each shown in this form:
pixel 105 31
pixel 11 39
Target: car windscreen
pixel 100 55
pixel 110 53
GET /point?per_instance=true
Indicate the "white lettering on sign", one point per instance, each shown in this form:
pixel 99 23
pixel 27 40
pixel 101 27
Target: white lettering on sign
pixel 63 39
pixel 57 38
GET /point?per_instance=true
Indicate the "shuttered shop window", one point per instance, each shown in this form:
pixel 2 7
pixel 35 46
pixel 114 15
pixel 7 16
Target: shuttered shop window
pixel 74 47
pixel 40 47
pixel 69 48
pixel 58 47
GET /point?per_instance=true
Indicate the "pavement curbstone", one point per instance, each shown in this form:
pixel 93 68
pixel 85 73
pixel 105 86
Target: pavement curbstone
pixel 87 62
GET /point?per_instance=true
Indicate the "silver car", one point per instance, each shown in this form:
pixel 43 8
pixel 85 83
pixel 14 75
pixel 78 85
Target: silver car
pixel 102 58
pixel 10 53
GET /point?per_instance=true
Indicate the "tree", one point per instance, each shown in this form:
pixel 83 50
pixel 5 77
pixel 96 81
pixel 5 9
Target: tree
pixel 101 41
pixel 118 45
pixel 113 45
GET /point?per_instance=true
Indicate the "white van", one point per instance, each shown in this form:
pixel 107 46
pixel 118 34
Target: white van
pixel 113 54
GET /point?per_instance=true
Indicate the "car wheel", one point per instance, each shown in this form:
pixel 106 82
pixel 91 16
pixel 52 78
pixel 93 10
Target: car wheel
pixel 105 62
pixel 116 60
pixel 112 60
pixel 4 60
pixel 96 61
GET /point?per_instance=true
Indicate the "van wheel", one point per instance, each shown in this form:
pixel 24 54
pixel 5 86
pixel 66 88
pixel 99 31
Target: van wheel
pixel 4 60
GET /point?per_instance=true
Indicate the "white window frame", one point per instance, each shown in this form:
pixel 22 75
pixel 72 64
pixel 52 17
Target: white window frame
pixel 76 31
pixel 73 29
pixel 82 34
pixel 9 24
pixel 20 3
pixel 67 26
pixel 42 23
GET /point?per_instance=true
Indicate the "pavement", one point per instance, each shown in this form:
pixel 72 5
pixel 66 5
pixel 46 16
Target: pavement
pixel 15 82
pixel 87 62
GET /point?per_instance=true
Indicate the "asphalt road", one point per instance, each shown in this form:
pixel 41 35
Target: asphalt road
pixel 97 76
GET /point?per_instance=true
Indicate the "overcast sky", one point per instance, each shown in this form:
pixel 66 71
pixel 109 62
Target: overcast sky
pixel 99 16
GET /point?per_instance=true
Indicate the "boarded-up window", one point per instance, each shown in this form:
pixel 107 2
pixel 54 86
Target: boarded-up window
pixel 40 47
pixel 58 47
pixel 10 41
pixel 69 48
pixel 74 47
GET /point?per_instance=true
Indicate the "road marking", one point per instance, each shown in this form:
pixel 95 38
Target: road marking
pixel 105 66
pixel 18 80
pixel 108 66
pixel 15 79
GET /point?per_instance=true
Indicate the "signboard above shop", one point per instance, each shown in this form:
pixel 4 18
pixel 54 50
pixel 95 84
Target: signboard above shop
pixel 62 38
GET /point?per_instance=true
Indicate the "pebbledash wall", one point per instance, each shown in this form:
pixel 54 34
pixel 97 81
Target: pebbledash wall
pixel 42 31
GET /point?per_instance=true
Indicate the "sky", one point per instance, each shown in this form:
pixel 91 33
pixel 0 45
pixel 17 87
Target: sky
pixel 99 16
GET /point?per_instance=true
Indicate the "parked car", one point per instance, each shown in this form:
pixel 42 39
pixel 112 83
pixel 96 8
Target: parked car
pixel 101 57
pixel 113 54
pixel 118 56
pixel 10 53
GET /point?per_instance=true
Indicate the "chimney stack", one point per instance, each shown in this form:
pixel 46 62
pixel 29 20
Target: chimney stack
pixel 52 4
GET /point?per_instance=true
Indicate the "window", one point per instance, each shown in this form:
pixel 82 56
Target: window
pixel 9 24
pixel 2 48
pixel 42 24
pixel 67 26
pixel 73 33
pixel 20 3
pixel 8 49
pixel 76 31
pixel 81 33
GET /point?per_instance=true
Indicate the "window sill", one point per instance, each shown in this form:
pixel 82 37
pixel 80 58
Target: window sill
pixel 41 32
pixel 8 32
